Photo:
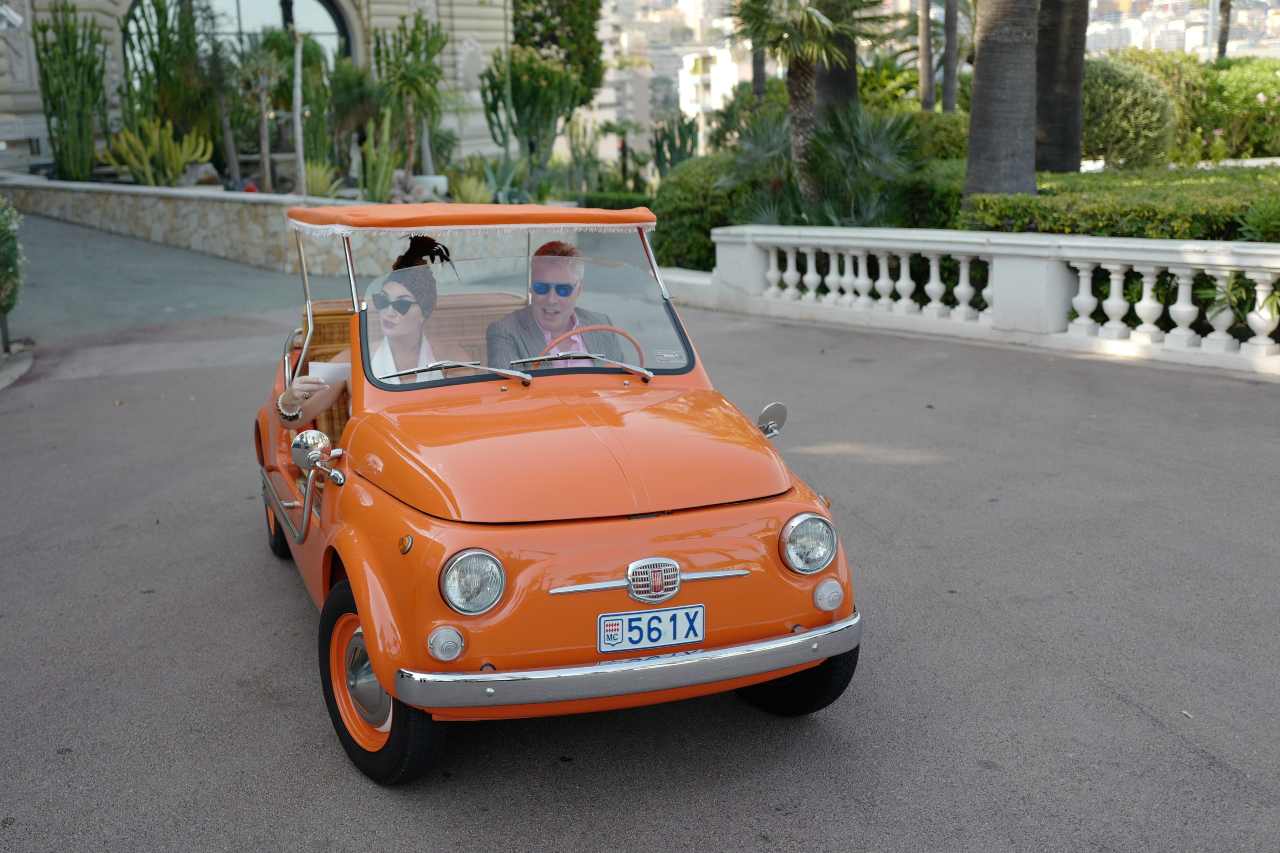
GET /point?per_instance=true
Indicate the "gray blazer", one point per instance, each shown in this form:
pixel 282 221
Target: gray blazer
pixel 518 335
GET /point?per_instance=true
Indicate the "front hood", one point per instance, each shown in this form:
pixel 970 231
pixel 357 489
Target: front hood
pixel 534 455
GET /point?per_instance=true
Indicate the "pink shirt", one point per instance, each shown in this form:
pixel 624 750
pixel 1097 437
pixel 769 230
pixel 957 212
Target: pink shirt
pixel 573 344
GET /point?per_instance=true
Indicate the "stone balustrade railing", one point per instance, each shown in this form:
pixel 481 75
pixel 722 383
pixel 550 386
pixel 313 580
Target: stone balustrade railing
pixel 1196 302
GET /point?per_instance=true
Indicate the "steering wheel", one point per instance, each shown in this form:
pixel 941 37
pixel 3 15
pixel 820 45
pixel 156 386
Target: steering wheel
pixel 599 327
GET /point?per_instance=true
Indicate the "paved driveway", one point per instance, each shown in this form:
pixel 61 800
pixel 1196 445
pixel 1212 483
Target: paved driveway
pixel 1068 570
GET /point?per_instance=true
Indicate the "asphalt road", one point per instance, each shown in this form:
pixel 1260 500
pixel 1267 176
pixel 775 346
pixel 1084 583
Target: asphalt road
pixel 1068 569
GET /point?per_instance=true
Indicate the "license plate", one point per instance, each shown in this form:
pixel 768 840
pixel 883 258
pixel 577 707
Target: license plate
pixel 651 629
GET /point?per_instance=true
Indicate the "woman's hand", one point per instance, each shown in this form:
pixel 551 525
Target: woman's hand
pixel 303 389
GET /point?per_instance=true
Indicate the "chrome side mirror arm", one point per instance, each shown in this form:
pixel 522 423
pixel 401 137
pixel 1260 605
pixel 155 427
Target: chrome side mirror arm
pixel 772 420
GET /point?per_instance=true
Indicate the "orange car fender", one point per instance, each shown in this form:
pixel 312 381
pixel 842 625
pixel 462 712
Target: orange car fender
pixel 379 618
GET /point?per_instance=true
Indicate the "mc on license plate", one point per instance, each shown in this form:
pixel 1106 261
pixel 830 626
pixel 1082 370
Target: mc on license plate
pixel 650 629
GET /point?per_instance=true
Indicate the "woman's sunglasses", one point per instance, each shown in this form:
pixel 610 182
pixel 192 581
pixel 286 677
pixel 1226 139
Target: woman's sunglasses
pixel 380 301
pixel 564 291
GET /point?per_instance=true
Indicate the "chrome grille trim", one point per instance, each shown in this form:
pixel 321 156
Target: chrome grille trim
pixel 596 586
pixel 640 585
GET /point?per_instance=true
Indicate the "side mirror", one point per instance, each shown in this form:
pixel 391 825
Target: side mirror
pixel 310 448
pixel 771 420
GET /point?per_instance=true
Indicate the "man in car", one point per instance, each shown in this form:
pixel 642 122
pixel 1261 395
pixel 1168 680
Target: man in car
pixel 553 295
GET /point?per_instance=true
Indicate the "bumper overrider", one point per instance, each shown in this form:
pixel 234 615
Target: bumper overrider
pixel 634 675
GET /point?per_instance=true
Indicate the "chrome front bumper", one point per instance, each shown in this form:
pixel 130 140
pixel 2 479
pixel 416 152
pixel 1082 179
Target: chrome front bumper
pixel 634 675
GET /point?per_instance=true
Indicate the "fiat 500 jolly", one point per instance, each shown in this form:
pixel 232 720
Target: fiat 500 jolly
pixel 552 511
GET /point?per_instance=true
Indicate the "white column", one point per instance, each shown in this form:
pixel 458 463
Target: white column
pixel 1115 305
pixel 790 277
pixel 964 292
pixel 846 282
pixel 935 290
pixel 1148 309
pixel 884 284
pixel 906 286
pixel 987 315
pixel 1183 312
pixel 1084 302
pixel 863 284
pixel 1221 318
pixel 811 277
pixel 772 275
pixel 1262 321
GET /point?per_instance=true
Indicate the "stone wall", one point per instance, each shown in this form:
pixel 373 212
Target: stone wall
pixel 245 227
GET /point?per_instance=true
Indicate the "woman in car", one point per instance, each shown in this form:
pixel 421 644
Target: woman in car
pixel 401 308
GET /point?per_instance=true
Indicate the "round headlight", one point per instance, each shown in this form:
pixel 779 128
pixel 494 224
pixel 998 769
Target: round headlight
pixel 808 543
pixel 472 581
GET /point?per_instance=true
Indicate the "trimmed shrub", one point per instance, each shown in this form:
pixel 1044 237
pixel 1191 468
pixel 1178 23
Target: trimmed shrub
pixel 1245 106
pixel 1261 222
pixel 1188 82
pixel 931 197
pixel 1128 121
pixel 941 136
pixel 616 201
pixel 690 202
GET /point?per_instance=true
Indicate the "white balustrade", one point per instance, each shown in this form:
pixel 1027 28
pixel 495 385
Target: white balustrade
pixel 1262 320
pixel 1148 309
pixel 811 278
pixel 1183 312
pixel 1084 302
pixel 1033 284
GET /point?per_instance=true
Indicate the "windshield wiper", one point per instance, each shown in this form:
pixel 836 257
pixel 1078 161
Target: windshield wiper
pixel 524 378
pixel 643 373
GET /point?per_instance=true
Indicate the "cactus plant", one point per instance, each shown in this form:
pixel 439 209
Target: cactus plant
pixel 71 55
pixel 381 159
pixel 674 141
pixel 153 155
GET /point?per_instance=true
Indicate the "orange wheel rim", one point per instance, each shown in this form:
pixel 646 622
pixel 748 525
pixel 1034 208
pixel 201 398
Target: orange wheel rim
pixel 364 706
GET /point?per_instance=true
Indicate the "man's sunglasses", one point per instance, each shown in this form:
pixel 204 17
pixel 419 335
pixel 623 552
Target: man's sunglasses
pixel 380 301
pixel 564 291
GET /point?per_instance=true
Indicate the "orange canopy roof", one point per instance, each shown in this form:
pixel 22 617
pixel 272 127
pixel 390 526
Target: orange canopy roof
pixel 438 216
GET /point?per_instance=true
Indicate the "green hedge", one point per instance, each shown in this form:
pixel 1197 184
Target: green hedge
pixel 616 201
pixel 1127 116
pixel 689 204
pixel 1155 203
pixel 941 136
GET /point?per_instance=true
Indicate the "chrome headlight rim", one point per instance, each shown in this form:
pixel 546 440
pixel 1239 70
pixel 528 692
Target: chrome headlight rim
pixel 452 563
pixel 790 527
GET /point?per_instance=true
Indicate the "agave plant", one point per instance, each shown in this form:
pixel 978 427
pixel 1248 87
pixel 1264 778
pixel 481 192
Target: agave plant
pixel 322 179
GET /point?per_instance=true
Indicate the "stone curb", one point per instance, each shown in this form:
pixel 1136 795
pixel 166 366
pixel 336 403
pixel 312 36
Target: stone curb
pixel 14 367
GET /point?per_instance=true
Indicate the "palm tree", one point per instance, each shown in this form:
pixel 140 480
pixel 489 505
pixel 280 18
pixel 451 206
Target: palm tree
pixel 950 54
pixel 1224 26
pixel 924 60
pixel 1060 84
pixel 1002 142
pixel 408 70
pixel 837 85
pixel 803 39
pixel 260 71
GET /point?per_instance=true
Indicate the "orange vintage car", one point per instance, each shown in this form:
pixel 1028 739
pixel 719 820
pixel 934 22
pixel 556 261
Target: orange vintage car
pixel 512 490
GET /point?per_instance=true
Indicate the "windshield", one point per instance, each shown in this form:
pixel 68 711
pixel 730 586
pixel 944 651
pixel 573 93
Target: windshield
pixel 508 297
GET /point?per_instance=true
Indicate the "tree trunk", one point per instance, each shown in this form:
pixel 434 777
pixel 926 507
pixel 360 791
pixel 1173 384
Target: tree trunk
pixel 428 157
pixel 800 90
pixel 299 155
pixel 1002 141
pixel 1059 84
pixel 264 139
pixel 1224 26
pixel 950 59
pixel 836 88
pixel 410 136
pixel 925 56
pixel 758 71
pixel 229 152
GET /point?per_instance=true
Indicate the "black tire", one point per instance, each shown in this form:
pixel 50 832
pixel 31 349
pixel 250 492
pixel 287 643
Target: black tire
pixel 804 692
pixel 411 740
pixel 276 540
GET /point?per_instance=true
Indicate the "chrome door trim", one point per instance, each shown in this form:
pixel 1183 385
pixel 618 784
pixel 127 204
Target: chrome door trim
pixel 622 584
pixel 624 677
pixel 282 516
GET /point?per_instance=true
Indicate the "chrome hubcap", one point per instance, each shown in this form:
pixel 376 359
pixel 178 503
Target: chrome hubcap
pixel 373 704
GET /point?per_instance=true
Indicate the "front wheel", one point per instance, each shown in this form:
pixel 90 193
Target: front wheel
pixel 276 540
pixel 388 741
pixel 804 692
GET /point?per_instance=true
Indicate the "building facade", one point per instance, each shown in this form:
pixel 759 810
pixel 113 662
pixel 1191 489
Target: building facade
pixel 476 28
